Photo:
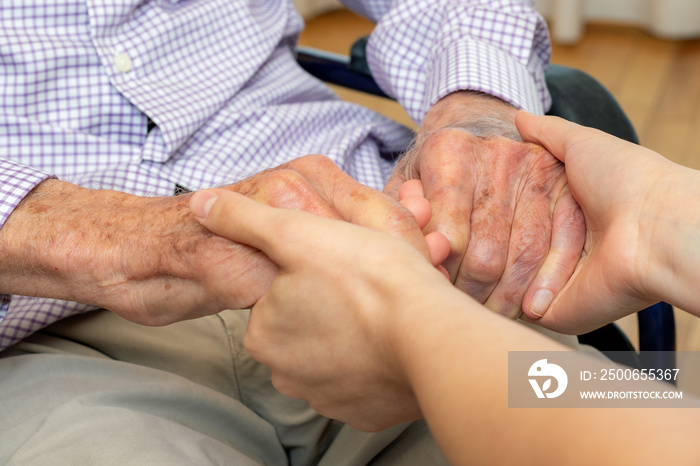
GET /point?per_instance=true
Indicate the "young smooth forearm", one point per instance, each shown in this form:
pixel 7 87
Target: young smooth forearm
pixel 456 360
pixel 673 239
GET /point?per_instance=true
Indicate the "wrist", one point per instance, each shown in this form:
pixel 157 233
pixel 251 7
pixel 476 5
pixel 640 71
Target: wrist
pixel 430 310
pixel 481 114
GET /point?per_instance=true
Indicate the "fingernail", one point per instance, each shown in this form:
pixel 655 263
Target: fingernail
pixel 201 203
pixel 540 302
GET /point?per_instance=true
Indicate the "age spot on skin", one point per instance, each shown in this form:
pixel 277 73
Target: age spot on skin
pixel 359 196
pixel 41 208
pixel 538 188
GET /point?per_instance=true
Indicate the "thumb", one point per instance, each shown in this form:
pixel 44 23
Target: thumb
pixel 553 133
pixel 245 221
pixel 580 306
pixel 591 299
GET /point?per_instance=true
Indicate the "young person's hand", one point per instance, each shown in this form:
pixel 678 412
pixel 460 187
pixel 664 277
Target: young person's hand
pixel 642 219
pixel 325 326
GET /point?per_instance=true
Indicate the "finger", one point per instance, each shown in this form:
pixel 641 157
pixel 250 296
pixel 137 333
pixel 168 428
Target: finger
pixel 419 207
pixel 485 258
pixel 366 207
pixel 448 185
pixel 411 188
pixel 554 133
pixel 412 196
pixel 438 247
pixel 588 301
pixel 360 204
pixel 570 314
pixel 405 170
pixel 240 219
pixel 284 188
pixel 393 185
pixel 568 237
pixel 527 248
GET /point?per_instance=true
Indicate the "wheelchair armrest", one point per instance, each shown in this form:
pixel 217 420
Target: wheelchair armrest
pixel 337 69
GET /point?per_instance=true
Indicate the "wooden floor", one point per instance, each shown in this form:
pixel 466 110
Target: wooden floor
pixel 657 83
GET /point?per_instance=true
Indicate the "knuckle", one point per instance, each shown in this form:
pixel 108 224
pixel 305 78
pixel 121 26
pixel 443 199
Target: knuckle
pixel 450 138
pixel 312 162
pixel 289 181
pixel 153 319
pixel 289 189
pixel 400 216
pixel 286 386
pixel 319 160
pixel 400 220
pixel 486 261
pixel 140 309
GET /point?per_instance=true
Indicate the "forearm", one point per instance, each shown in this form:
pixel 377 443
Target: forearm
pixel 134 255
pixel 43 239
pixel 61 234
pixel 457 363
pixel 672 236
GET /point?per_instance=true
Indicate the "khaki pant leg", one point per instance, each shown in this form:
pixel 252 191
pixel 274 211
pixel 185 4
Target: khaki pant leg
pixel 187 393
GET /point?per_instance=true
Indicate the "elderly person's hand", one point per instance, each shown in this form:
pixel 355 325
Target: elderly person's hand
pixel 504 205
pixel 150 261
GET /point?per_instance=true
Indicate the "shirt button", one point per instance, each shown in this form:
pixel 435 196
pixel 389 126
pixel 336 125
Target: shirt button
pixel 123 62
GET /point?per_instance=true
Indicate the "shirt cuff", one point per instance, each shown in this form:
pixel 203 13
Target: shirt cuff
pixel 16 181
pixel 479 66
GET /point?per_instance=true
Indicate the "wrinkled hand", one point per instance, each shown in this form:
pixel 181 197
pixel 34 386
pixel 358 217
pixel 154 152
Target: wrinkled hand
pixel 150 261
pixel 504 205
pixel 324 328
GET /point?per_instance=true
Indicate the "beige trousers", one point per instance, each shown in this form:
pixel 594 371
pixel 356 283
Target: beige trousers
pixel 98 390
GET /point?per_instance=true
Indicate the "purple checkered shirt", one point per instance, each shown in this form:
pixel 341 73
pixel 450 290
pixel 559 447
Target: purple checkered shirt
pixel 79 80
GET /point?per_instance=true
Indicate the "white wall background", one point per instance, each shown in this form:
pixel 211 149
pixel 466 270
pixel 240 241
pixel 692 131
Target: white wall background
pixel 670 19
